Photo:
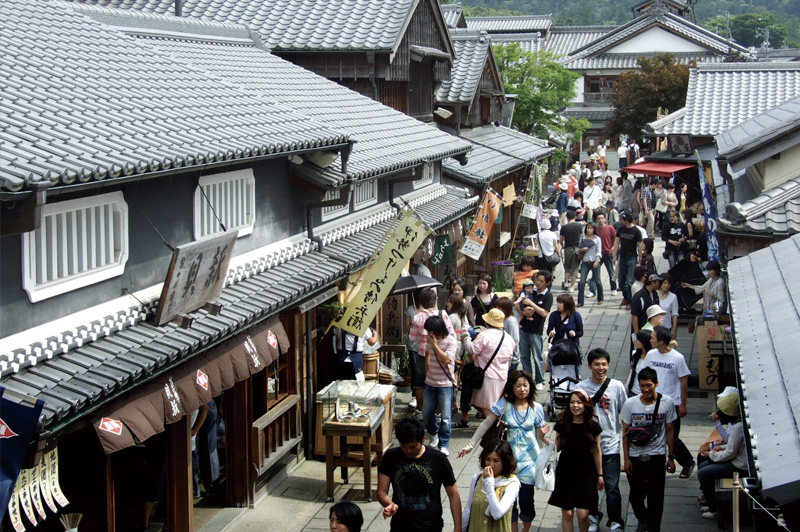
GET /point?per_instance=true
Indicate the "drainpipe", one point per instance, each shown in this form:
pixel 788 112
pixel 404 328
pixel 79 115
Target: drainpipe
pixel 393 180
pixel 310 400
pixel 722 164
pixel 371 63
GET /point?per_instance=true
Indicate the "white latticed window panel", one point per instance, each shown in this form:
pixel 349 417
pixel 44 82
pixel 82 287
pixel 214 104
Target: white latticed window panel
pixel 79 242
pixel 329 213
pixel 427 176
pixel 232 196
pixel 365 193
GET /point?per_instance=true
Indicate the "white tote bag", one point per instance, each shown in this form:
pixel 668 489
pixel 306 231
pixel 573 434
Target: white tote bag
pixel 546 468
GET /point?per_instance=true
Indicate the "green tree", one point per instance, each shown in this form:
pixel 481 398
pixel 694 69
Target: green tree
pixel 543 87
pixel 747 29
pixel 660 81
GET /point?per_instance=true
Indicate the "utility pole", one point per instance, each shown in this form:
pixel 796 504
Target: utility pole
pixel 765 44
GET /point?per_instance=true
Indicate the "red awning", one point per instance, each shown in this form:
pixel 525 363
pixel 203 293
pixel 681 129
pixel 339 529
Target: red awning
pixel 658 168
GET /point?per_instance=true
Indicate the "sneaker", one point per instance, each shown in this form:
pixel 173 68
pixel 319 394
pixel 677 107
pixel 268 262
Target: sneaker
pixel 704 509
pixel 540 387
pixel 444 451
pixel 702 499
pixel 614 292
pixel 617 526
pixel 687 471
pixel 592 295
pixel 709 515
pixel 413 402
pixel 593 525
pixel 433 440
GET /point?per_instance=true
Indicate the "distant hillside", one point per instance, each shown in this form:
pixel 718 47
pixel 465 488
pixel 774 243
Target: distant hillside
pixel 708 13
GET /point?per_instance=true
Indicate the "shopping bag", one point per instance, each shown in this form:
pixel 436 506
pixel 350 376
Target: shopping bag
pixel 546 468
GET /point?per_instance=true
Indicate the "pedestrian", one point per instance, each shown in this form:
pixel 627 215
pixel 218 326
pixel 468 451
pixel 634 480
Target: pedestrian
pixel 626 244
pixel 488 507
pixel 607 235
pixel 579 473
pixel 655 318
pixel 516 407
pixel 669 302
pixel 622 155
pixel 674 234
pixel 459 287
pixel 492 351
pixel 647 459
pixel 345 516
pixel 349 351
pixel 416 474
pixel 457 312
pixel 644 299
pixel 648 203
pixel 412 347
pixel 484 299
pixel 510 326
pixel 428 301
pixel 726 459
pixel 548 246
pixel 565 321
pixel 660 206
pixel 562 200
pixel 625 192
pixel 601 152
pixel 673 374
pixel 646 258
pixel 534 310
pixel 636 200
pixel 570 240
pixel 592 196
pixel 642 346
pixel 608 397
pixel 713 290
pixel 591 248
pixel 440 382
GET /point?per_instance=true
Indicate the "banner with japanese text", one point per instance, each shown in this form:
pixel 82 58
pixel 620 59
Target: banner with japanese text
pixel 710 211
pixel 533 193
pixel 382 274
pixel 442 251
pixel 17 424
pixel 481 227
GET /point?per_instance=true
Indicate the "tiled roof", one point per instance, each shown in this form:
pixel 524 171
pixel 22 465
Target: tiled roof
pixel 629 61
pixel 453 15
pixel 668 21
pixel 511 24
pixel 765 315
pixel 562 40
pixel 759 130
pixel 722 95
pixel 472 50
pixel 528 42
pixel 386 140
pixel 509 142
pixel 485 164
pixel 89 104
pixel 775 212
pixel 588 113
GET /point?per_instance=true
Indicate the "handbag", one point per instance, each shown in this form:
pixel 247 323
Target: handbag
pixel 550 260
pixel 546 468
pixel 497 432
pixel 641 436
pixel 472 375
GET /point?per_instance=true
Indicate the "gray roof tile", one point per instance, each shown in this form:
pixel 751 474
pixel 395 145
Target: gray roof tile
pixel 528 42
pixel 511 24
pixel 485 164
pixel 563 40
pixel 114 113
pixel 759 130
pixel 723 95
pixel 775 212
pixel 766 322
pixel 454 15
pixel 609 61
pixel 386 140
pixel 508 141
pixel 472 51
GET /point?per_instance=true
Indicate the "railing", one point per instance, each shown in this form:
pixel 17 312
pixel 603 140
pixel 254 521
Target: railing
pixel 276 433
pixel 597 97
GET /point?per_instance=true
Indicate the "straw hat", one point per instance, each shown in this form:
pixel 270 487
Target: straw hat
pixel 729 404
pixel 495 318
pixel 655 310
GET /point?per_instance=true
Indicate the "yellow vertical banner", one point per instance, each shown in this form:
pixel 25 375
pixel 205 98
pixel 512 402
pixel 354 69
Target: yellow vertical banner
pixel 382 274
pixel 481 227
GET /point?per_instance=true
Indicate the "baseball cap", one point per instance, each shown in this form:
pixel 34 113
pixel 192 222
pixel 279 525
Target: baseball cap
pixel 526 282
pixel 654 277
pixel 626 215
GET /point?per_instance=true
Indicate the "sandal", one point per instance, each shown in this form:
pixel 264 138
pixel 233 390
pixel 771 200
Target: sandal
pixel 687 471
pixel 462 423
pixel 480 415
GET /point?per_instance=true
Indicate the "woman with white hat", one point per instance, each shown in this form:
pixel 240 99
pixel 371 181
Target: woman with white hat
pixel 492 351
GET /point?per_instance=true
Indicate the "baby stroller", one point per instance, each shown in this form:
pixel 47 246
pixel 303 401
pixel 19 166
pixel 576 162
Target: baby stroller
pixel 564 361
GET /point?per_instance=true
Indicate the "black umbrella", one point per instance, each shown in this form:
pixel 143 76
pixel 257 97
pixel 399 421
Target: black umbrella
pixel 690 272
pixel 412 283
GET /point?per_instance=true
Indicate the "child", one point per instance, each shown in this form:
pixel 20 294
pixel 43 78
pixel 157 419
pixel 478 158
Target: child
pixel 527 264
pixel 525 296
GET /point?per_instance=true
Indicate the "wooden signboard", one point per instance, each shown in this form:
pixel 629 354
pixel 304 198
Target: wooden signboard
pixel 708 366
pixel 196 275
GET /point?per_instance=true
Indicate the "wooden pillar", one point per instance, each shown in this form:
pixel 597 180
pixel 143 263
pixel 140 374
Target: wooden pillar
pixel 111 502
pixel 238 457
pixel 180 505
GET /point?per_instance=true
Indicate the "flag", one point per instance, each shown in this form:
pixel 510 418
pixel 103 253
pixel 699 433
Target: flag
pixel 533 193
pixel 442 250
pixel 481 227
pixel 710 212
pixel 17 423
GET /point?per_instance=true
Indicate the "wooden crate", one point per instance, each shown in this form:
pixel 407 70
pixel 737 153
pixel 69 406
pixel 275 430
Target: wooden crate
pixel 387 430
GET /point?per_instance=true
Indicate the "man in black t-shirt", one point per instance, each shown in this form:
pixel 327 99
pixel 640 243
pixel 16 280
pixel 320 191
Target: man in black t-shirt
pixel 416 474
pixel 531 341
pixel 644 299
pixel 570 240
pixel 627 244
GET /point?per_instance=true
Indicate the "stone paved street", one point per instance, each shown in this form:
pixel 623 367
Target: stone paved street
pixel 299 504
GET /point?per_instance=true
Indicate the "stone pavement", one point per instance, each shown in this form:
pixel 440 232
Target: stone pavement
pixel 299 502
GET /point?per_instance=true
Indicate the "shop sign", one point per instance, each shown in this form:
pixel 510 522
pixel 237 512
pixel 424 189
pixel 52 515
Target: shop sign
pixel 481 227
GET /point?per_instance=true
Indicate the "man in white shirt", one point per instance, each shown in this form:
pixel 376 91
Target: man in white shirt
pixel 591 196
pixel 673 376
pixel 622 155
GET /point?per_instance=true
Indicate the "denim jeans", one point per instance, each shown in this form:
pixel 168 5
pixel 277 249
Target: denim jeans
pixel 526 511
pixel 674 256
pixel 443 399
pixel 530 348
pixel 708 472
pixel 647 481
pixel 607 260
pixel 627 263
pixel 611 468
pixel 587 267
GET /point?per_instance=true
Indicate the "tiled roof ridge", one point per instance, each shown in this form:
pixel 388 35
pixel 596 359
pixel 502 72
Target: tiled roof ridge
pixel 657 124
pixel 764 203
pixel 577 29
pixel 147 15
pixel 748 67
pixel 512 17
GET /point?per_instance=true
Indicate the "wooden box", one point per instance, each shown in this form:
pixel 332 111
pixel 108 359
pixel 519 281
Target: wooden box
pixel 387 430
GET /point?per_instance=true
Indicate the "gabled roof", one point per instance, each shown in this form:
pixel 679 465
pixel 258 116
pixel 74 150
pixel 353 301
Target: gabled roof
pixel 723 95
pixel 385 140
pixel 754 133
pixel 511 24
pixel 529 42
pixel 454 15
pixel 775 212
pixel 628 61
pixel 562 40
pixel 485 164
pixel 473 50
pixel 666 20
pixel 509 141
pixel 305 25
pixel 85 103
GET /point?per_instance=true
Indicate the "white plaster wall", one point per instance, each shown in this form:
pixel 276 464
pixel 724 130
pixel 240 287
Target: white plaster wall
pixel 656 39
pixel 579 86
pixel 777 171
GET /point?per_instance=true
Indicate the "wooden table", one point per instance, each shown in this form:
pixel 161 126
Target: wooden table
pixel 332 429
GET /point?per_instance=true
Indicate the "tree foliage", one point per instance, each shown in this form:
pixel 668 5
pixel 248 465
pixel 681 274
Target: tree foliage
pixel 543 87
pixel 748 29
pixel 637 95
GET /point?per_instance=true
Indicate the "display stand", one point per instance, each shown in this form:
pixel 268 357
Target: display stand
pixel 332 428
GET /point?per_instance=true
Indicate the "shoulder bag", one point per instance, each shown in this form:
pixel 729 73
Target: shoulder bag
pixel 498 431
pixel 472 375
pixel 641 436
pixel 600 392
pixel 551 260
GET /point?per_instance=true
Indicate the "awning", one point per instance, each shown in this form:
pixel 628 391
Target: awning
pixel 138 415
pixel 659 169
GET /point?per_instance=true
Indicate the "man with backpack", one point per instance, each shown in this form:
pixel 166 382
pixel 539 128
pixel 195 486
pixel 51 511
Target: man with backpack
pixel 608 396
pixel 648 439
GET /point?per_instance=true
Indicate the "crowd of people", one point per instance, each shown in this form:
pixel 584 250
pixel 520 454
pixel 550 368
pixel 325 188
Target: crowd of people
pixel 606 426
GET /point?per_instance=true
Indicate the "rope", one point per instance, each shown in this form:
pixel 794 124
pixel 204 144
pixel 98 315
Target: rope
pixel 213 210
pixel 778 520
pixel 164 240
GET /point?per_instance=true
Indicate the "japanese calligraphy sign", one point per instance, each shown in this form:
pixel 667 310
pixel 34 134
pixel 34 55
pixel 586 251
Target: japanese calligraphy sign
pixel 393 321
pixel 533 194
pixel 381 275
pixel 442 251
pixel 196 275
pixel 710 211
pixel 481 227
